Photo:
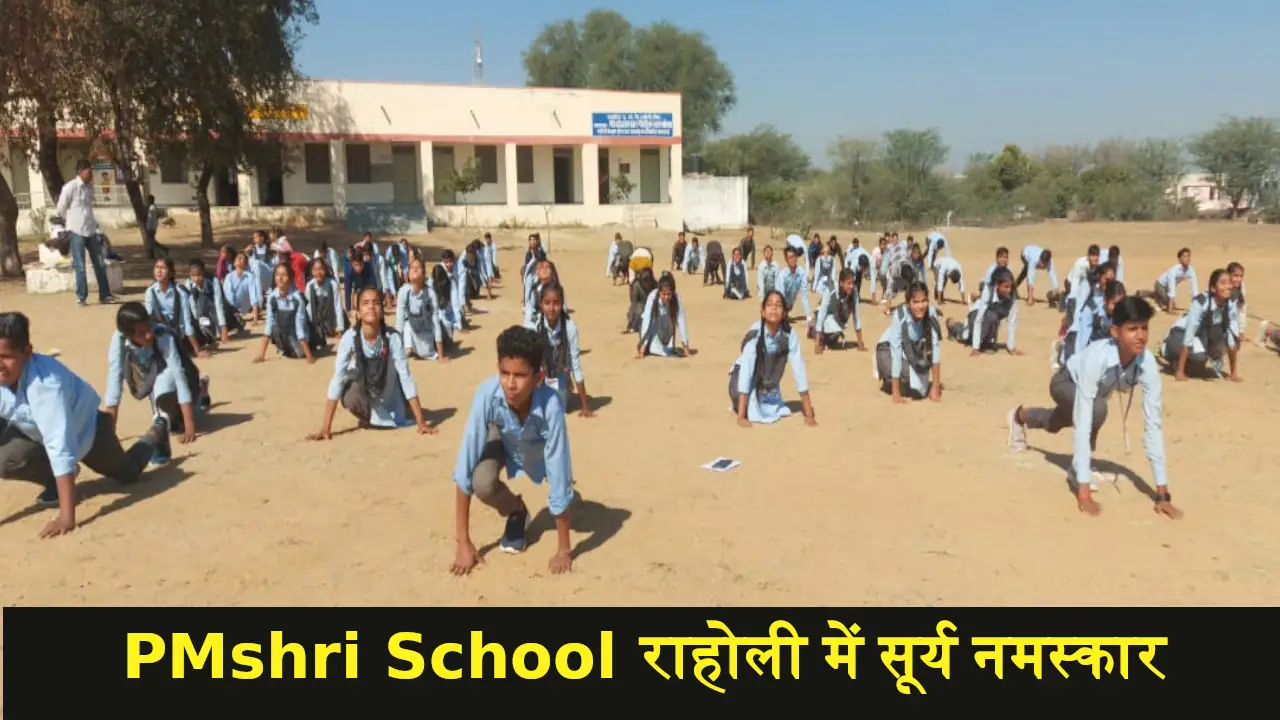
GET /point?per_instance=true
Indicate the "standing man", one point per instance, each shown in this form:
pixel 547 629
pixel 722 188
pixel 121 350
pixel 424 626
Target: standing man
pixel 75 207
pixel 153 226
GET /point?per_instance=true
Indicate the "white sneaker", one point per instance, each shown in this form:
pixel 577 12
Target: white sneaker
pixel 1017 432
pixel 1055 352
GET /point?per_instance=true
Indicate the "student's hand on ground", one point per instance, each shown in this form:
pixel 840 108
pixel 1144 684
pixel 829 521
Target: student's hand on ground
pixel 585 412
pixel 561 562
pixel 898 399
pixel 690 351
pixel 811 421
pixel 322 435
pixel 1086 504
pixel 1235 378
pixel 1166 508
pixel 466 559
pixel 1180 377
pixel 311 360
pixel 259 359
pixel 1017 353
pixel 426 428
pixel 936 396
pixel 112 411
pixel 639 354
pixel 226 335
pixel 188 436
pixel 57 527
pixel 743 422
pixel 975 353
pixel 444 359
pixel 205 354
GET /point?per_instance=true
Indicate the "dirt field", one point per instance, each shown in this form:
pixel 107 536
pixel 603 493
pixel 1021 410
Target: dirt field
pixel 880 504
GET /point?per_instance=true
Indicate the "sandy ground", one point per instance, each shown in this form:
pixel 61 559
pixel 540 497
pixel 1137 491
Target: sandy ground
pixel 879 504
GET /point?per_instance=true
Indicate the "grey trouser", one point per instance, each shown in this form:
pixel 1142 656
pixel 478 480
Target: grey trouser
pixel 485 482
pixel 1062 389
pixel 22 458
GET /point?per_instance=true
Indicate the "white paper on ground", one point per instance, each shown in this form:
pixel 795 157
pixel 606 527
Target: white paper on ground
pixel 721 464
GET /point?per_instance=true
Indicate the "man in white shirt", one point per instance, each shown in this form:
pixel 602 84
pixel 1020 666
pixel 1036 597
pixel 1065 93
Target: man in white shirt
pixel 75 207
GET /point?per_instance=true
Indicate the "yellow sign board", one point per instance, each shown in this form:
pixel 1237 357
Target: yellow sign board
pixel 286 112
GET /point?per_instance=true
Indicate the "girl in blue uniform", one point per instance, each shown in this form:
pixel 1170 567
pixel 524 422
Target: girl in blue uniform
pixel 562 358
pixel 755 379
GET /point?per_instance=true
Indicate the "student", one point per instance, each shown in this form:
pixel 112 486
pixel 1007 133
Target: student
pixel 208 309
pixel 877 260
pixel 693 258
pixel 296 261
pixel 154 213
pixel 945 270
pixel 533 255
pixel 396 265
pixel 287 327
pixel 1210 322
pixel 1092 323
pixel 793 282
pixel 837 255
pixel 1034 258
pixel 736 282
pixel 477 276
pixel 448 316
pixel 1165 292
pixel 516 423
pixel 168 304
pixel 678 251
pixel 802 252
pixel 1080 392
pixel 898 271
pixel 611 262
pixel 144 355
pixel 1087 295
pixel 713 267
pixel 813 251
pixel 1269 335
pixel 240 288
pixel 856 258
pixel 371 375
pixel 1002 261
pixel 337 263
pixel 544 274
pixel 981 328
pixel 1112 255
pixel 641 287
pixel 824 271
pixel 938 248
pixel 50 423
pixel 767 273
pixel 621 268
pixel 260 261
pixel 562 357
pixel 1080 272
pixel 911 349
pixel 748 247
pixel 458 285
pixel 325 315
pixel 490 257
pixel 1236 270
pixel 226 256
pixel 360 275
pixel 839 305
pixel 662 321
pixel 416 318
pixel 755 379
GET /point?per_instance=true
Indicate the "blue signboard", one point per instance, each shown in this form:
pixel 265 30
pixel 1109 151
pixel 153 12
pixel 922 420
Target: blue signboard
pixel 633 125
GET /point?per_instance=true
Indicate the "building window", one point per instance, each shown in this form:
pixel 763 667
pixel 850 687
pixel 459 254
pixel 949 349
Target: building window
pixel 487 163
pixel 359 165
pixel 524 164
pixel 316 158
pixel 172 169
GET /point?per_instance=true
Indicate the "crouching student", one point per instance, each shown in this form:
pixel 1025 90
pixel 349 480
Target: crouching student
pixel 1269 335
pixel 562 357
pixel 662 320
pixel 287 327
pixel 981 328
pixel 325 315
pixel 448 316
pixel 50 423
pixel 736 283
pixel 168 304
pixel 516 423
pixel 1210 323
pixel 1080 392
pixel 371 375
pixel 209 316
pixel 240 288
pixel 1165 292
pixel 793 282
pixel 1034 259
pixel 641 287
pixel 144 355
pixel 714 267
pixel 767 273
pixel 416 318
pixel 947 270
pixel 838 306
pixel 1092 323
pixel 910 350
pixel 755 381
pixel 1237 294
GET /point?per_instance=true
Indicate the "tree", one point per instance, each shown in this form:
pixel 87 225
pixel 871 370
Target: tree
pixel 765 155
pixel 853 165
pixel 606 52
pixel 911 158
pixel 464 181
pixel 1241 155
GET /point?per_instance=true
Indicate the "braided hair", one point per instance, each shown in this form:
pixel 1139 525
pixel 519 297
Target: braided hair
pixel 1238 293
pixel 545 333
pixel 373 378
pixel 1210 299
pixel 668 282
pixel 443 283
pixel 928 323
pixel 784 331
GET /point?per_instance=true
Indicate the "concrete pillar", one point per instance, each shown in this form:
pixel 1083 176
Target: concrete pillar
pixel 245 187
pixel 427 166
pixel 35 182
pixel 338 176
pixel 591 175
pixel 675 184
pixel 512 173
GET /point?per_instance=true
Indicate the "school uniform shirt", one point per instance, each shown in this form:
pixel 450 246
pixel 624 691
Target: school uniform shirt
pixel 916 380
pixel 560 383
pixel 680 331
pixel 331 286
pixel 931 256
pixel 693 257
pixel 824 273
pixel 944 266
pixel 828 321
pixel 161 303
pixel 356 282
pixel 989 296
pixel 769 408
pixel 792 283
pixel 893 258
pixel 1088 316
pixel 261 264
pixel 1031 256
pixel 402 264
pixel 851 261
pixel 1097 373
pixel 736 269
pixel 448 318
pixel 765 272
pixel 388 410
pixel 55 407
pixel 537 448
pixel 986 279
pixel 1175 276
pixel 877 255
pixel 490 256
pixel 1194 318
pixel 1242 315
pixel 418 303
pixel 172 379
pixel 1104 256
pixel 460 285
pixel 241 290
pixel 613 255
pixel 798 243
pixel 293 301
pixel 332 259
pixel 210 287
pixel 1079 273
pixel 1081 294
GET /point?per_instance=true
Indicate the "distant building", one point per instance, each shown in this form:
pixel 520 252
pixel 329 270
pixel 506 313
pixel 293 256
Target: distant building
pixel 1208 198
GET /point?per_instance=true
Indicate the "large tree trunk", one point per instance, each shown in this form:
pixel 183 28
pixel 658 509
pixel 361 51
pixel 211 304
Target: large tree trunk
pixel 10 258
pixel 125 160
pixel 47 152
pixel 202 204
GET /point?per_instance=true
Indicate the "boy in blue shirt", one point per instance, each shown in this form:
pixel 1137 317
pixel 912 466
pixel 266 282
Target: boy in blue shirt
pixel 516 422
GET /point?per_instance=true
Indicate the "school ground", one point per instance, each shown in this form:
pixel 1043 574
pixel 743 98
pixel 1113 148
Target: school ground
pixel 880 504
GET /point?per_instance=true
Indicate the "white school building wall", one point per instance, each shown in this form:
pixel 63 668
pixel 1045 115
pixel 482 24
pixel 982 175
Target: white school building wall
pixel 378 155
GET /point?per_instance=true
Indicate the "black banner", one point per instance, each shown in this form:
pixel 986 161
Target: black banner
pixel 154 662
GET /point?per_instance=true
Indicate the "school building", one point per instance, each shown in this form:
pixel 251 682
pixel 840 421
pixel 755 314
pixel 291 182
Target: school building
pixel 380 157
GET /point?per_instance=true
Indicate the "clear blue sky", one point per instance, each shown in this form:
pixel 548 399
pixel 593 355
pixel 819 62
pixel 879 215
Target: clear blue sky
pixel 985 72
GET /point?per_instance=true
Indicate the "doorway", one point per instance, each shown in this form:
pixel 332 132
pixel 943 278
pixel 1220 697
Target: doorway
pixel 606 182
pixel 650 176
pixel 226 188
pixel 271 181
pixel 404 175
pixel 442 168
pixel 563 175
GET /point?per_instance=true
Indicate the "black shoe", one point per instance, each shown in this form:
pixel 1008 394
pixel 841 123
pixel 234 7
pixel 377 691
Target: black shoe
pixel 513 538
pixel 163 452
pixel 48 497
